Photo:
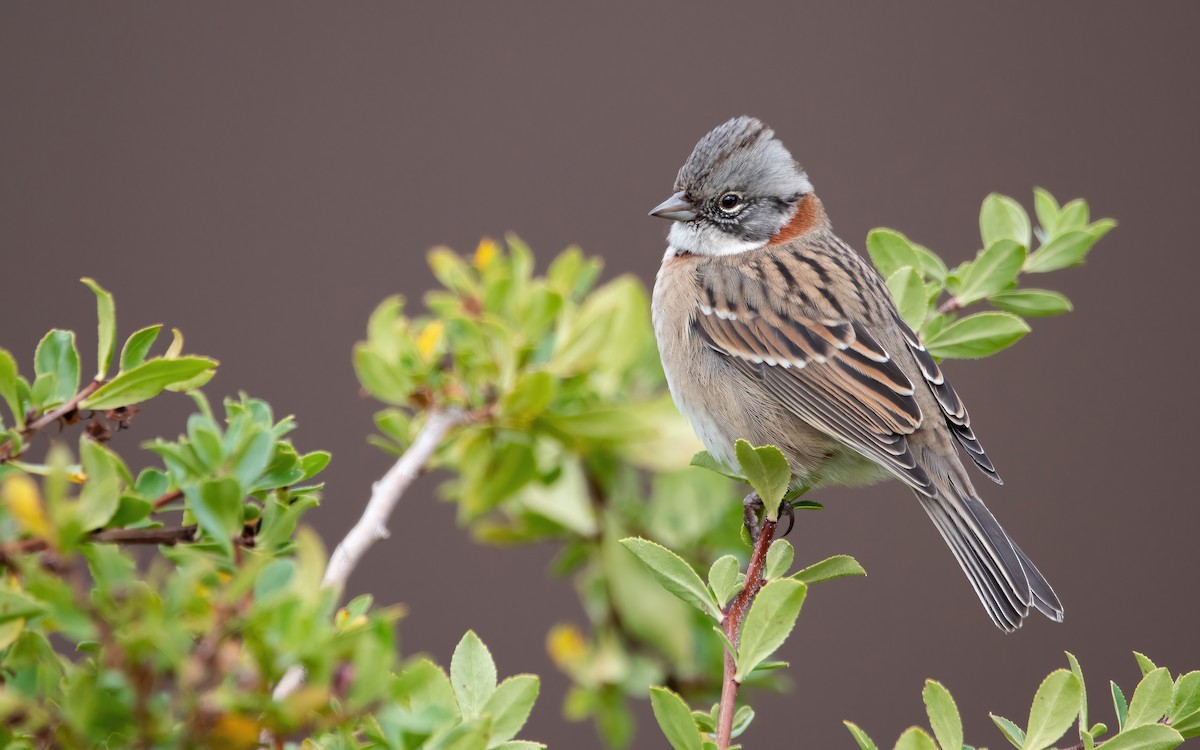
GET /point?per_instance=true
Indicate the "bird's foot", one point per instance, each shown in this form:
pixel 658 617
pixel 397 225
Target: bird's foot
pixel 752 505
pixel 752 509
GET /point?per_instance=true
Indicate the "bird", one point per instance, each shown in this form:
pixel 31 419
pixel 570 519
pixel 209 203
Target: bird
pixel 774 330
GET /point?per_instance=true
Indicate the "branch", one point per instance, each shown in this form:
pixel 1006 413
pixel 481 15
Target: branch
pixel 950 305
pixel 372 526
pixel 166 499
pixel 50 417
pixel 735 613
pixel 168 537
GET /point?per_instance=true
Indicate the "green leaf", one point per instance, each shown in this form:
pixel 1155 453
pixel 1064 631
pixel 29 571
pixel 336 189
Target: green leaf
pixel 1031 303
pixel 1046 209
pixel 890 251
pixel 529 397
pixel 314 463
pixel 1144 663
pixel 1185 706
pixel 705 460
pixel 130 510
pixel 146 381
pixel 1011 731
pixel 977 336
pixel 217 506
pixel 1055 706
pixel 930 265
pixel 722 578
pixel 943 715
pixel 253 457
pixel 741 720
pixel 383 380
pixel 725 642
pixel 101 492
pixel 1120 707
pixel 915 738
pixel 1002 218
pixel 908 290
pixel 1074 215
pixel 107 315
pixel 864 742
pixel 137 346
pixel 1149 737
pixel 510 705
pixel 996 269
pixel 1083 704
pixel 16 606
pixel 56 356
pixel 1151 699
pixel 205 440
pixel 768 623
pixel 768 473
pixel 1065 250
pixel 454 272
pixel 473 675
pixel 779 559
pixel 1100 228
pixel 9 389
pixel 675 719
pixel 469 735
pixel 675 575
pixel 838 566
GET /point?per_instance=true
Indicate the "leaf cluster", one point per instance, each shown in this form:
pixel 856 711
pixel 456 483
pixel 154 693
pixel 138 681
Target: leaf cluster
pixel 1162 714
pixel 102 647
pixel 919 280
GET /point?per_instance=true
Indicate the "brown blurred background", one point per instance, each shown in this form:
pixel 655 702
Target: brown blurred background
pixel 261 175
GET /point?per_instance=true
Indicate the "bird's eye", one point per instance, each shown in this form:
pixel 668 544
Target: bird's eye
pixel 730 202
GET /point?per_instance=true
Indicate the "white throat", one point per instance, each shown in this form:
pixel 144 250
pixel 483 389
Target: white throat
pixel 703 239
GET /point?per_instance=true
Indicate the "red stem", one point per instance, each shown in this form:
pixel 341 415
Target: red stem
pixel 735 613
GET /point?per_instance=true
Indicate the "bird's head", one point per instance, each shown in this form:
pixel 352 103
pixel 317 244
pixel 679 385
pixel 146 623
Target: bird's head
pixel 738 190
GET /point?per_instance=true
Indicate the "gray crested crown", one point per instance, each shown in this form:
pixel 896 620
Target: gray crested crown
pixel 742 155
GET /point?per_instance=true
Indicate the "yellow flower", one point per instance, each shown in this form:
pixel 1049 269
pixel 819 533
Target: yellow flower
pixel 485 253
pixel 565 644
pixel 430 337
pixel 25 503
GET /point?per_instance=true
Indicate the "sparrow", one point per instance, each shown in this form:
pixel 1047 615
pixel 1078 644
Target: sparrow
pixel 774 330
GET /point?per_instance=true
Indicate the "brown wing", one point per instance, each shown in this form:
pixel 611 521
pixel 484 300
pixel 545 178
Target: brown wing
pixel 830 373
pixel 953 409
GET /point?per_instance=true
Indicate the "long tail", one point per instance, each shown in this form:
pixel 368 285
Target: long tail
pixel 1003 577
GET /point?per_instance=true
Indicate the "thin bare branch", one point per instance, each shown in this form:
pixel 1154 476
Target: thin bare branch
pixel 372 526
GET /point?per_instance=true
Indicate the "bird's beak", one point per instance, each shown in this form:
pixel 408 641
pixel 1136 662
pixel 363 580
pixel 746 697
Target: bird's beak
pixel 675 208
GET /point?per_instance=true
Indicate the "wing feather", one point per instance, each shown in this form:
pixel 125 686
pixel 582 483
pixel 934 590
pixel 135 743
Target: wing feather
pixel 953 409
pixel 830 373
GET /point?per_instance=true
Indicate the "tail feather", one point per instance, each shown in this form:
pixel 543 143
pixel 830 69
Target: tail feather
pixel 1003 577
pixel 994 601
pixel 1044 597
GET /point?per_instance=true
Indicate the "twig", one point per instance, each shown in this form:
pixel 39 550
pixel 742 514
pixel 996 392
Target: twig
pixel 50 417
pixel 372 526
pixel 949 305
pixel 166 499
pixel 735 613
pixel 168 536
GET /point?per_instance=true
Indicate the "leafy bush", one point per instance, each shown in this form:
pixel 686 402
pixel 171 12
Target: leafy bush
pixel 543 399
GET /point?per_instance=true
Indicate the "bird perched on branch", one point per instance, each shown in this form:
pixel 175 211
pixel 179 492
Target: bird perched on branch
pixel 773 329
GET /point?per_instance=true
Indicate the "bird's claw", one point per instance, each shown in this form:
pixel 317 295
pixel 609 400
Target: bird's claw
pixel 752 505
